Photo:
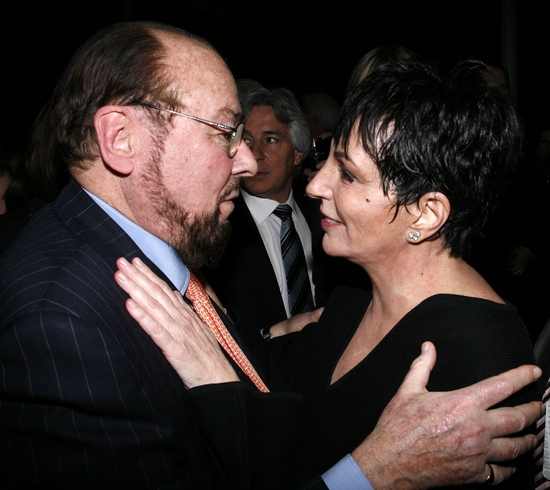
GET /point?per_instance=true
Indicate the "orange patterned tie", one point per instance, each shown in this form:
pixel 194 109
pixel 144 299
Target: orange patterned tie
pixel 203 307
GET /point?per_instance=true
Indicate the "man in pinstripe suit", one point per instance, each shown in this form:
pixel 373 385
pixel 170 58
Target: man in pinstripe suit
pixel 146 118
pixel 88 400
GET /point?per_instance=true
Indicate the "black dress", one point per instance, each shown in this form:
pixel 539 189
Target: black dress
pixel 474 338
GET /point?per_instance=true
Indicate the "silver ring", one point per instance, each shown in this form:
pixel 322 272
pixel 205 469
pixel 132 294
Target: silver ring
pixel 491 478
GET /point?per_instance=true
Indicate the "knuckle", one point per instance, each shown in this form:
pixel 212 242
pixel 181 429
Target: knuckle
pixel 153 305
pixel 523 420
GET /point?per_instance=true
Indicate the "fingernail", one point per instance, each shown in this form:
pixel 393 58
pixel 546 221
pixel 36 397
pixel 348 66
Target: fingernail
pixel 121 277
pixel 137 261
pixel 537 372
pixel 122 262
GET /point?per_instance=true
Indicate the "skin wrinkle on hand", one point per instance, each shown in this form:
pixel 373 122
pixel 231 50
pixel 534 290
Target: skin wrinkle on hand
pixel 463 440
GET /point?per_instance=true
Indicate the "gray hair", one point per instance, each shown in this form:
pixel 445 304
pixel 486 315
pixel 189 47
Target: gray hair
pixel 285 106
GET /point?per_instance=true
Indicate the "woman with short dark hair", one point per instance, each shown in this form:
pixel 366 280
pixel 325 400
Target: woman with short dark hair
pixel 420 159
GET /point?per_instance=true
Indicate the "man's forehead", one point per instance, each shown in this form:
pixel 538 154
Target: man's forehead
pixel 265 131
pixel 263 117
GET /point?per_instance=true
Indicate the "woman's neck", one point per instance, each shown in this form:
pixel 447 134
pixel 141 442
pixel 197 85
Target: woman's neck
pixel 401 285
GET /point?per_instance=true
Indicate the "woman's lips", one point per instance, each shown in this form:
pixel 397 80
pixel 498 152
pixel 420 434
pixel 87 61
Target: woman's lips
pixel 327 222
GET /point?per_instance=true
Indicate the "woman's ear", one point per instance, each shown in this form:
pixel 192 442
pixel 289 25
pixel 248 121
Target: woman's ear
pixel 116 137
pixel 433 210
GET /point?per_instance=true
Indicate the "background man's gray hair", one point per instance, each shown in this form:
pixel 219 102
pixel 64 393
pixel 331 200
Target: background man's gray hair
pixel 285 106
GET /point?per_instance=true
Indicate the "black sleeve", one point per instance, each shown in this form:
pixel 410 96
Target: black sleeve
pixel 258 436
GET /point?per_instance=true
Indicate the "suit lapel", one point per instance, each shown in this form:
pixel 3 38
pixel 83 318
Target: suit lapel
pixel 254 260
pixel 97 229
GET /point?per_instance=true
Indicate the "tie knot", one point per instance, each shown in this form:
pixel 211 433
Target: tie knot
pixel 283 211
pixel 195 291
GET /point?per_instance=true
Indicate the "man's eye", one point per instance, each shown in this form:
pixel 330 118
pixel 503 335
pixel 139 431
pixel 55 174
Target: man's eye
pixel 271 140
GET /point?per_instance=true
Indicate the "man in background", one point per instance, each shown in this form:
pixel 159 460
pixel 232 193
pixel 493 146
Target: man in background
pixel 251 278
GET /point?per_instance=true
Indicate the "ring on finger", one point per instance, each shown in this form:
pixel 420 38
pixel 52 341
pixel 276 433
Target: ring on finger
pixel 491 477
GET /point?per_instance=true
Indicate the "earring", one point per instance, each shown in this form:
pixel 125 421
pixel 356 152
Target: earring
pixel 414 235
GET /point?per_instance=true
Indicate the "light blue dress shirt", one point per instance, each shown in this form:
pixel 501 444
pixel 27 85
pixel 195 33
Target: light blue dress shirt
pixel 346 475
pixel 158 251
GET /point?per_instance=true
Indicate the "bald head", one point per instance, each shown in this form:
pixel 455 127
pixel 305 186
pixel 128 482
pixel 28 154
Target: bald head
pixel 195 73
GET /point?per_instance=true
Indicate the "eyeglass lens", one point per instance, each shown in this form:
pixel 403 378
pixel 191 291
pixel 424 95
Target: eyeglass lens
pixel 236 139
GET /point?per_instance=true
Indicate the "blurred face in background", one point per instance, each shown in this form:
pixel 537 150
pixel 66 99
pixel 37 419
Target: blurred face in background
pixel 271 144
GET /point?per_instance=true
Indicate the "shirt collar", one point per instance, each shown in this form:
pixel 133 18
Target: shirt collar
pixel 158 251
pixel 261 208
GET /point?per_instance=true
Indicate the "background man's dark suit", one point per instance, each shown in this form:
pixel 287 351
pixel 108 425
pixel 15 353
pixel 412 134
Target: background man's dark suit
pixel 245 272
pixel 244 279
pixel 87 400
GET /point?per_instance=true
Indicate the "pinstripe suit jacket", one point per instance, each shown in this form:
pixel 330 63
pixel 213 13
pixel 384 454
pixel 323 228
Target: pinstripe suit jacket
pixel 87 400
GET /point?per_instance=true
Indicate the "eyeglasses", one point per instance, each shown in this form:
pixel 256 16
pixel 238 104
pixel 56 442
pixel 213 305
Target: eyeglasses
pixel 234 135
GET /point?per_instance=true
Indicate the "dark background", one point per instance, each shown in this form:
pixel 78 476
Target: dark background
pixel 306 46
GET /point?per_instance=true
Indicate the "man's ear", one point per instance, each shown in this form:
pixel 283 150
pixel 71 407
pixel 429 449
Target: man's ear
pixel 298 157
pixel 432 212
pixel 116 137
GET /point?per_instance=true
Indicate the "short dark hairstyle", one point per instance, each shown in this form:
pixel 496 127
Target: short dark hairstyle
pixel 427 130
pixel 285 106
pixel 122 64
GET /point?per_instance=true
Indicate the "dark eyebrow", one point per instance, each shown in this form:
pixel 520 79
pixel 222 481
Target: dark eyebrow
pixel 344 156
pixel 267 132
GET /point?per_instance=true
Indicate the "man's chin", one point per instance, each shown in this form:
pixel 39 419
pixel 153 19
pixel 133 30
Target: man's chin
pixel 203 246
